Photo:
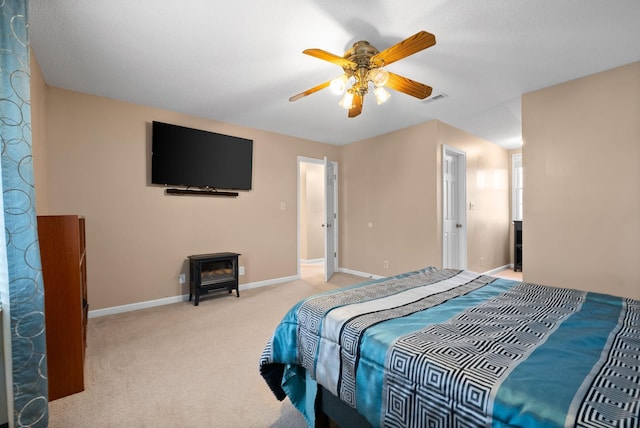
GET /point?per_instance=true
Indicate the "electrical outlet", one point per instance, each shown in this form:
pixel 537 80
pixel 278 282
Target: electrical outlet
pixel 241 270
pixel 385 264
pixel 182 278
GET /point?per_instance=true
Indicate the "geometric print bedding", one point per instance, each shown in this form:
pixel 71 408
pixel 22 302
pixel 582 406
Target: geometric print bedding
pixel 613 397
pixel 457 366
pixel 443 348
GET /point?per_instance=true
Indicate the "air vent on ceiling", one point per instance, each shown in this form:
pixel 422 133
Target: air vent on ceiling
pixel 434 98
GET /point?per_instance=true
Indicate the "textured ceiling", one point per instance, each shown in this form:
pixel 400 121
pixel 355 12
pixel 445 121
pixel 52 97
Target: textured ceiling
pixel 240 61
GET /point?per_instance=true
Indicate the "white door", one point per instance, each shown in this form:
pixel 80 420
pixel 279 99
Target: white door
pixel 331 219
pixel 454 238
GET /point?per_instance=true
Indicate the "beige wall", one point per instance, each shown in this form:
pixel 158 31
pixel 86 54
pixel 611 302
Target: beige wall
pixel 390 200
pixel 582 194
pixel 489 222
pixel 39 133
pixel 387 202
pixel 312 211
pixel 581 159
pixel 91 157
pixel 97 165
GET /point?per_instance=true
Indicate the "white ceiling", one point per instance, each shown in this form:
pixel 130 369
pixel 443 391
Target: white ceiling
pixel 239 61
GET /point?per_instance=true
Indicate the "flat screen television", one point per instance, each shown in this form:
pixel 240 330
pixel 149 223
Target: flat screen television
pixel 189 157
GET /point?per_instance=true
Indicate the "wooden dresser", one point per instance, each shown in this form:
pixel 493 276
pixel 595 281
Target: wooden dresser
pixel 64 271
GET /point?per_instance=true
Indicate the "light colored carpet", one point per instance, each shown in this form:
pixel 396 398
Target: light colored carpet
pixel 184 366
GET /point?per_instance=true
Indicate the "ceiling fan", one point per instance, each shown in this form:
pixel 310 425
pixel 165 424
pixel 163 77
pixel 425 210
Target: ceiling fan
pixel 363 70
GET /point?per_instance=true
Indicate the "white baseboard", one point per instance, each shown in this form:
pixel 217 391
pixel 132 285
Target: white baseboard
pixel 312 261
pixel 176 299
pixel 498 269
pixel 135 306
pixel 185 297
pixel 268 282
pixel 358 273
pixel 372 276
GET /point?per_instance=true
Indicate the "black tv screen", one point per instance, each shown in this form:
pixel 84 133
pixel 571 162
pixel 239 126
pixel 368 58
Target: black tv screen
pixel 190 157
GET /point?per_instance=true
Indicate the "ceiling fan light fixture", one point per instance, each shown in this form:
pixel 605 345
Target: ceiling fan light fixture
pixel 379 76
pixel 339 84
pixel 382 95
pixel 347 101
pixel 363 72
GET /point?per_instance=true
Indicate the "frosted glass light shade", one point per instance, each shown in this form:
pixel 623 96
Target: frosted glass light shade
pixel 338 85
pixel 382 94
pixel 347 101
pixel 379 76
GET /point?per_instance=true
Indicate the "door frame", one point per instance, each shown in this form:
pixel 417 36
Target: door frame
pixel 330 180
pixel 300 160
pixel 461 178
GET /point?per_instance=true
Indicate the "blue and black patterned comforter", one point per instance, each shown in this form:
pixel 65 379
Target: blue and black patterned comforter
pixel 447 348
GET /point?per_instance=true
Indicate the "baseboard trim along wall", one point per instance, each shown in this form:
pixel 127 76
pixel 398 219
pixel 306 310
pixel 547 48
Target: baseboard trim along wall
pixel 358 273
pixel 135 306
pixel 176 299
pixel 185 297
pixel 498 269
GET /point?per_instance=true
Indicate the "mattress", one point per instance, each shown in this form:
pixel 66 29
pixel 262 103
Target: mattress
pixel 455 348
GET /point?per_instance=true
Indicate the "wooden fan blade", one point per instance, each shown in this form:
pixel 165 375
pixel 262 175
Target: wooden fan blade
pixel 408 86
pixel 328 56
pixel 409 46
pixel 310 91
pixel 356 108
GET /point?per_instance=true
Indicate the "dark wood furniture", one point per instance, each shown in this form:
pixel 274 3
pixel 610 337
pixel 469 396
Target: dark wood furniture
pixel 64 272
pixel 216 271
pixel 517 246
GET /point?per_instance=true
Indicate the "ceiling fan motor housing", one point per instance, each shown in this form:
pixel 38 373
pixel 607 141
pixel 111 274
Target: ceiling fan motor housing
pixel 361 54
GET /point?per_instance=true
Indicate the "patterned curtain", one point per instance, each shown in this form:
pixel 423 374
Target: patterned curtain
pixel 22 264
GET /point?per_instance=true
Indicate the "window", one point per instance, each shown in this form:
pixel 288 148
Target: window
pixel 516 186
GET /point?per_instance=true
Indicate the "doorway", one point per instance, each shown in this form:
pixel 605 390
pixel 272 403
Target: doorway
pixel 317 218
pixel 454 203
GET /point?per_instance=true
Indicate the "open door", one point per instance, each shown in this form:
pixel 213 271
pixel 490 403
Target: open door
pixel 454 197
pixel 331 227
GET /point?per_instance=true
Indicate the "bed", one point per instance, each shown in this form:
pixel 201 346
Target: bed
pixel 445 348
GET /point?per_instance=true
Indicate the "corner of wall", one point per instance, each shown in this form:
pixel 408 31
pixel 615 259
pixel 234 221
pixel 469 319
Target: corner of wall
pixel 39 134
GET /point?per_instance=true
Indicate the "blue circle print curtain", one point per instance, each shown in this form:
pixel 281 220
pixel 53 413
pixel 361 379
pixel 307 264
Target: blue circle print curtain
pixel 22 280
